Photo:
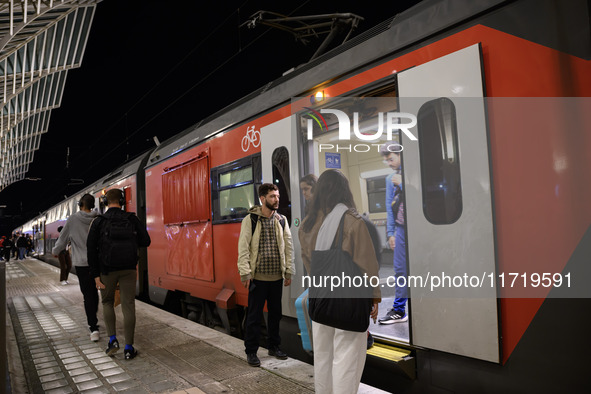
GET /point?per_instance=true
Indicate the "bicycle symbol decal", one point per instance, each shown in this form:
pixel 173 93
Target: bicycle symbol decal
pixel 252 137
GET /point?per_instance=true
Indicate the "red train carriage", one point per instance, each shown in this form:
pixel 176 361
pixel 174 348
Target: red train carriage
pixel 496 188
pixel 200 185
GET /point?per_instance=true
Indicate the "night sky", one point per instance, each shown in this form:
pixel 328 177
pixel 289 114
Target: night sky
pixel 155 71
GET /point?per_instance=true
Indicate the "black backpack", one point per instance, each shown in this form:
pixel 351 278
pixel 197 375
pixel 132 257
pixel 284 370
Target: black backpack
pixel 255 218
pixel 118 241
pixel 397 200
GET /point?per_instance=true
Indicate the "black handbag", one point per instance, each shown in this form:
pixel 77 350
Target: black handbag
pixel 347 306
pixel 396 201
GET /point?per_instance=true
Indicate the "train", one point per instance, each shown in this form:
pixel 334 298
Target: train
pixel 492 104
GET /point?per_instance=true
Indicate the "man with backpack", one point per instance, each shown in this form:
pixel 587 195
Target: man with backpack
pixel 265 265
pixel 113 241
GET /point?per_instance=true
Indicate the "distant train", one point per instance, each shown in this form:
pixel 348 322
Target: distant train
pixel 497 188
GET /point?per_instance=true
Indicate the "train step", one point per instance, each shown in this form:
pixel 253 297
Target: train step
pixel 402 358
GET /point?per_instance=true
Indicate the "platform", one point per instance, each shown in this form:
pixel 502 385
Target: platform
pixel 49 349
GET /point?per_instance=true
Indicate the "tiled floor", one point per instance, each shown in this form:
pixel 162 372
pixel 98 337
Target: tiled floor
pixel 54 342
pixel 175 355
pixel 58 356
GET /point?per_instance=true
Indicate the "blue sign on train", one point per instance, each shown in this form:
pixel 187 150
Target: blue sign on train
pixel 333 160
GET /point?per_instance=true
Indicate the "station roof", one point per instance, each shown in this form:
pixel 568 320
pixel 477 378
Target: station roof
pixel 40 41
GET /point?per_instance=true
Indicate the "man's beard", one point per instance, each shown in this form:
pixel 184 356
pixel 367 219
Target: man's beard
pixel 271 207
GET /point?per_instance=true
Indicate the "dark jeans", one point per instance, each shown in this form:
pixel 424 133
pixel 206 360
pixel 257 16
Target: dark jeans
pixel 65 265
pixel 258 293
pixel 90 294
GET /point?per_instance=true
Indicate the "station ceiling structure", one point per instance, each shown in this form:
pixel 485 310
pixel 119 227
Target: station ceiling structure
pixel 40 41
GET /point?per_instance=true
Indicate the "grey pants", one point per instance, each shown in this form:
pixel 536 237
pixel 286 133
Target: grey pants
pixel 126 280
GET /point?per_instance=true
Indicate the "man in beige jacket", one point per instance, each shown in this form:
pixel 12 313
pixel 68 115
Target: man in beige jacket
pixel 265 263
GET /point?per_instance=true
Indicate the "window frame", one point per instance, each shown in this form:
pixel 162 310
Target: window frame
pixel 373 191
pixel 253 161
pixel 441 216
pixel 286 187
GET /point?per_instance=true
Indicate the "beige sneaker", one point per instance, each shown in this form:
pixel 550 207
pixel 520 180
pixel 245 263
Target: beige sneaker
pixel 94 336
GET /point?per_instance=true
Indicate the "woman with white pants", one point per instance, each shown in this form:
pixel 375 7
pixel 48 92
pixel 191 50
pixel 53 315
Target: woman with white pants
pixel 339 350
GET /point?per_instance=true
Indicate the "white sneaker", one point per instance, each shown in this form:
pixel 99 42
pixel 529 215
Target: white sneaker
pixel 64 282
pixel 94 336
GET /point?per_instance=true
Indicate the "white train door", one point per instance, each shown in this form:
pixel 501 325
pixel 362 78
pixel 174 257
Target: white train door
pixel 448 207
pixel 280 167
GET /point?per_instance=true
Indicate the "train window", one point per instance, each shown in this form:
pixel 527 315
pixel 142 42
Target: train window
pixel 281 179
pixel 235 188
pixel 236 202
pixel 376 194
pixel 185 192
pixel 440 165
pixel 236 176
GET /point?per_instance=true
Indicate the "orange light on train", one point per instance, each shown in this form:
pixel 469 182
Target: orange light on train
pixel 318 97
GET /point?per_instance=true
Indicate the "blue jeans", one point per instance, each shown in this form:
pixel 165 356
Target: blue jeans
pixel 21 253
pixel 401 293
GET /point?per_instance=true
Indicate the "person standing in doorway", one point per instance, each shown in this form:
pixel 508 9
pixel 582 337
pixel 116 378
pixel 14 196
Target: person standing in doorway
pixel 396 232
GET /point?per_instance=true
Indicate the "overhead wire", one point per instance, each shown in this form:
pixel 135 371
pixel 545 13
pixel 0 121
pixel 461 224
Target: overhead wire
pixel 172 103
pixel 100 138
pixel 162 79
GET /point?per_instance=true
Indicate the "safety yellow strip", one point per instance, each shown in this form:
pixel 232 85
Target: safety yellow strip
pixel 388 352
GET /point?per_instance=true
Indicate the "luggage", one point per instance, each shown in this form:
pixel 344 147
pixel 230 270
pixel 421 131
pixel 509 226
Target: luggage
pixel 304 321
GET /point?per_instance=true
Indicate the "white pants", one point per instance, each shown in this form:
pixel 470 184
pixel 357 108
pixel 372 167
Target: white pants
pixel 339 358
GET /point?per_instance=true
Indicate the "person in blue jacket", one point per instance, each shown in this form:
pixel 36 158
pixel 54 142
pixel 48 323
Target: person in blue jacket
pixel 396 232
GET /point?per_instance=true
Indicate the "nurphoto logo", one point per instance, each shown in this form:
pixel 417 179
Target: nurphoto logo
pixel 389 123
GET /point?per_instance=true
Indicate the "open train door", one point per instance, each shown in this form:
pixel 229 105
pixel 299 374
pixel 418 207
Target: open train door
pixel 449 208
pixel 280 167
